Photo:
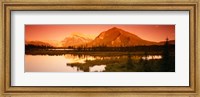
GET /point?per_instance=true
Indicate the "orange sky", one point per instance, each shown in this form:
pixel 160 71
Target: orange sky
pixel 59 32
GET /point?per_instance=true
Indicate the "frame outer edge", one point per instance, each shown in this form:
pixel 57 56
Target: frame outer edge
pixel 1 47
pixel 197 49
pixel 7 53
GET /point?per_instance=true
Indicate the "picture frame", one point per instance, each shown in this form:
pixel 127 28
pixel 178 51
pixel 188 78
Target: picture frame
pixel 119 5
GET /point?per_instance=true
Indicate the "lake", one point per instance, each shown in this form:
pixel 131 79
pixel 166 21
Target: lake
pixel 90 63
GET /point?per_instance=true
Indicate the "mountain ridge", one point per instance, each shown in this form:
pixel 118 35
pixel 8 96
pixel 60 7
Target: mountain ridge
pixel 118 37
pixel 74 40
pixel 113 37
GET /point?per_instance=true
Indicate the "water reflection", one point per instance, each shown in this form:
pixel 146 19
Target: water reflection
pixel 98 68
pixel 77 59
pixel 151 57
pixel 91 63
pixel 57 49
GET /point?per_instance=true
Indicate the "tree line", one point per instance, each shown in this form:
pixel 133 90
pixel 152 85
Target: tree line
pixel 105 48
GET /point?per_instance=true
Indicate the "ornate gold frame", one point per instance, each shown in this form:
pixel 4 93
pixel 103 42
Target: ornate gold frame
pixel 7 7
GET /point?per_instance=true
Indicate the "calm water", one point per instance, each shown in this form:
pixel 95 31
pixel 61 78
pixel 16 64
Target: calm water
pixel 85 63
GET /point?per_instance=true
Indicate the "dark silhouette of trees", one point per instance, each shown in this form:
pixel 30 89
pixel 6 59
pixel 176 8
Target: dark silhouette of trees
pixel 30 47
pixel 104 48
pixel 129 65
pixel 151 48
pixel 146 66
pixel 165 57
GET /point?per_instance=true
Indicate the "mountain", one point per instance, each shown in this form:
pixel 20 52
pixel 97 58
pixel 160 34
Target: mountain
pixel 54 43
pixel 75 40
pixel 72 40
pixel 37 43
pixel 115 37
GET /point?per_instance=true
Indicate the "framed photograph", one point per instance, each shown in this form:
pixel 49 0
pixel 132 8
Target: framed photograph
pixel 100 47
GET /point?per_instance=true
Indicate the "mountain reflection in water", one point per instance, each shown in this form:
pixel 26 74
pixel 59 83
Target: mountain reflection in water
pixel 89 63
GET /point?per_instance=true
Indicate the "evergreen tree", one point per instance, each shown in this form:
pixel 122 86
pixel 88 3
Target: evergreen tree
pixel 165 57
